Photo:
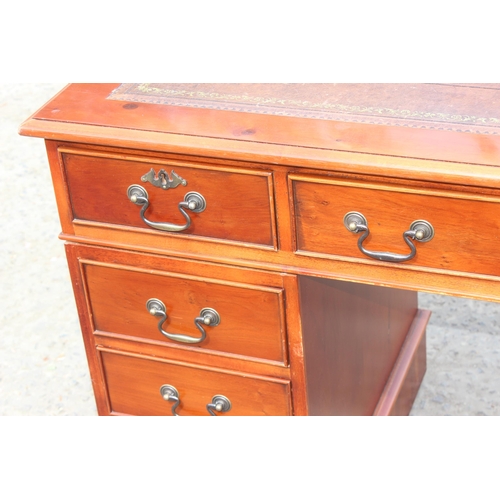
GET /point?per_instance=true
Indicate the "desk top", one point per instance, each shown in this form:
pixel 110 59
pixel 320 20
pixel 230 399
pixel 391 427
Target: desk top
pixel 450 122
pixel 472 108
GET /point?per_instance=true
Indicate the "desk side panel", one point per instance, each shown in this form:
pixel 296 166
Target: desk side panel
pixel 352 336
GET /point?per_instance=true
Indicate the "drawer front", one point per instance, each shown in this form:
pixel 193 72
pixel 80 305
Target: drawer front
pixel 251 317
pixel 239 203
pixel 133 387
pixel 466 226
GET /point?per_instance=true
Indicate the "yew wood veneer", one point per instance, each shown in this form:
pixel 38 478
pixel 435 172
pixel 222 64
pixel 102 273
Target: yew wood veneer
pixel 257 249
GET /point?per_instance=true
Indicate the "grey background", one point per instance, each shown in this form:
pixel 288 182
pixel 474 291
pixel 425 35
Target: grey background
pixel 43 370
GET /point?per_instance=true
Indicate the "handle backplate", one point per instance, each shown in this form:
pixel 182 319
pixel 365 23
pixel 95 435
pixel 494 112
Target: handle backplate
pixel 219 403
pixel 170 393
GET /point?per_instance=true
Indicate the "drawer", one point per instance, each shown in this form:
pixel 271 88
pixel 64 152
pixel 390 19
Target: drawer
pixel 251 318
pixel 133 387
pixel 238 204
pixel 466 225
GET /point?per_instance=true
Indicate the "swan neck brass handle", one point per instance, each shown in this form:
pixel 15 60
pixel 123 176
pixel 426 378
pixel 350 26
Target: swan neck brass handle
pixel 192 201
pixel 207 317
pixel 420 230
pixel 219 403
pixel 170 393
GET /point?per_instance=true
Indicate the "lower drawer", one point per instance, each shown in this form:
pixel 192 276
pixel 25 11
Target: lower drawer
pixel 250 318
pixel 134 386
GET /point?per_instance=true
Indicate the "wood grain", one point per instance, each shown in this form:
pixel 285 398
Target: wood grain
pixel 296 347
pixel 251 322
pixel 466 226
pixel 193 355
pixel 305 330
pixel 403 384
pixel 133 384
pixel 238 203
pixel 352 336
pixel 106 120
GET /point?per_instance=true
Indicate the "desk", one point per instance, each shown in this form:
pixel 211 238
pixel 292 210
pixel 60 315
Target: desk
pixel 239 250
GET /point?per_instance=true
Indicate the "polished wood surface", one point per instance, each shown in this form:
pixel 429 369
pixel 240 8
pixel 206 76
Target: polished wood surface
pixel 314 326
pixel 409 369
pixel 266 335
pixel 251 318
pixel 238 202
pixel 466 225
pixel 106 121
pixel 352 337
pixel 133 387
pixel 289 257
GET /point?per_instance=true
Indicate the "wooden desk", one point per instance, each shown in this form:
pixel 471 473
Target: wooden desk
pixel 239 249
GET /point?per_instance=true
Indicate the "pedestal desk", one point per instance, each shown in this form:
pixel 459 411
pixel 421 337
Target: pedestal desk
pixel 257 249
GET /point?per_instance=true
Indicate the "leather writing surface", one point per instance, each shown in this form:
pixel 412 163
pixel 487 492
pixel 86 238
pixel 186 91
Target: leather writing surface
pixel 473 108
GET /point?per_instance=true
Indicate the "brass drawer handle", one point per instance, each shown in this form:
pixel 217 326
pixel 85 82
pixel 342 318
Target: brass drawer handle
pixel 208 317
pixel 219 403
pixel 192 201
pixel 170 393
pixel 420 230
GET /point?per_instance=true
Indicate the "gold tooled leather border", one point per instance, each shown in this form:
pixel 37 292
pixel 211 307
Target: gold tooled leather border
pixel 319 108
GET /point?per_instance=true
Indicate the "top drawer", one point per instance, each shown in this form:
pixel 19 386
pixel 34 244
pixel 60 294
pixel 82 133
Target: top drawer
pixel 239 204
pixel 466 225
